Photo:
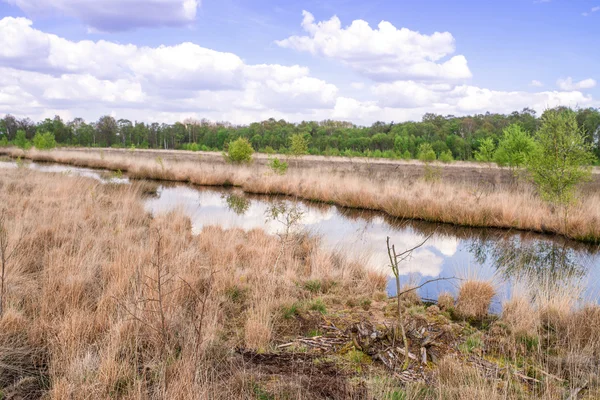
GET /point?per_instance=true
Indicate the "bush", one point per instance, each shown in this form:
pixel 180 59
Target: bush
pixel 21 140
pixel 426 153
pixel 4 141
pixel 44 141
pixel 298 145
pixel 515 147
pixel 446 156
pixel 269 150
pixel 277 166
pixel 485 153
pixel 240 151
pixel 406 155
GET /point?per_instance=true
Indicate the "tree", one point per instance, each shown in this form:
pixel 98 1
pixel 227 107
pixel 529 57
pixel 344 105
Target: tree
pixel 426 153
pixel 21 140
pixel 44 141
pixel 240 151
pixel 298 145
pixel 563 158
pixel 514 148
pixel 106 128
pixel 485 153
pixel 446 156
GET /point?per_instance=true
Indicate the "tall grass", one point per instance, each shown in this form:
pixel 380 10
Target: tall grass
pixel 516 207
pixel 105 301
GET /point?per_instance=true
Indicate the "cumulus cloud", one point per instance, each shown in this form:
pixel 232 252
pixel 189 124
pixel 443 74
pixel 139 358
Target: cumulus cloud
pixel 382 54
pixel 182 77
pixel 568 84
pixel 42 73
pixel 116 15
pixel 400 101
pixel 536 83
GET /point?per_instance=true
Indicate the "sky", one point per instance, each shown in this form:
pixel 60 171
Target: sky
pixel 244 61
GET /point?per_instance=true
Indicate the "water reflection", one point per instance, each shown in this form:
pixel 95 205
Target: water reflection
pixel 362 234
pixel 100 175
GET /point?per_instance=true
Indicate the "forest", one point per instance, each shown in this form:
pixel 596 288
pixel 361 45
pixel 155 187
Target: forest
pixel 450 137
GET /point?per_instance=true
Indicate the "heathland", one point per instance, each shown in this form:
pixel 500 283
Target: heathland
pixel 467 194
pixel 102 300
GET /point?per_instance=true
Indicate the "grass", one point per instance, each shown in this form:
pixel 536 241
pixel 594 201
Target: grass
pixel 508 206
pixel 105 301
pixel 474 299
pixel 85 316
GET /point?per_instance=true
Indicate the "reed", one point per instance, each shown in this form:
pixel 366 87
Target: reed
pixel 105 301
pixel 466 204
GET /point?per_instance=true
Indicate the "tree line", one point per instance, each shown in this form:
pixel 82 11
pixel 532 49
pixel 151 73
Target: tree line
pixel 446 138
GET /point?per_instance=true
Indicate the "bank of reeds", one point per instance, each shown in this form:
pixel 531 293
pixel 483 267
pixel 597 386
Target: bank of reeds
pixel 515 207
pixel 103 300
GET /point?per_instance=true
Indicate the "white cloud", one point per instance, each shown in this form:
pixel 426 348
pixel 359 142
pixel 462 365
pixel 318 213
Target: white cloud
pixel 400 101
pixel 536 83
pixel 42 73
pixel 568 84
pixel 382 54
pixel 592 10
pixel 116 15
pixel 183 77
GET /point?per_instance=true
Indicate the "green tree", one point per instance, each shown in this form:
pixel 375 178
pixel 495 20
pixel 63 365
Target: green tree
pixel 426 153
pixel 485 152
pixel 44 141
pixel 514 148
pixel 240 151
pixel 446 156
pixel 298 145
pixel 21 140
pixel 563 158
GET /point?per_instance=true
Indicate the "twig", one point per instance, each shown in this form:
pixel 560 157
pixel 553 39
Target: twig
pixel 425 283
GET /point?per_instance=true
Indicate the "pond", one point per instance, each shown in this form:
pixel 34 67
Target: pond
pixel 502 255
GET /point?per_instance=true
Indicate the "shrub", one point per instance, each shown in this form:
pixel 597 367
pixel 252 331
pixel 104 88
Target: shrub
pixel 21 140
pixel 44 141
pixel 406 155
pixel 446 156
pixel 3 141
pixel 485 152
pixel 474 299
pixel 515 147
pixel 298 145
pixel 426 153
pixel 277 166
pixel 269 150
pixel 240 151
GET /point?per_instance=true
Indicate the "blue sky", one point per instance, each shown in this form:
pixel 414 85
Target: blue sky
pixel 250 60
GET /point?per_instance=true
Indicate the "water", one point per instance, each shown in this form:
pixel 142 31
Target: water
pixel 504 256
pixel 100 175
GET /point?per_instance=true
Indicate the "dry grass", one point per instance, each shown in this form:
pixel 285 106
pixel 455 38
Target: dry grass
pixel 474 299
pixel 96 308
pixel 445 301
pixel 456 203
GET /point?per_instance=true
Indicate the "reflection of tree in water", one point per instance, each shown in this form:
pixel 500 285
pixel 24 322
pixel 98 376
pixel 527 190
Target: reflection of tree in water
pixel 517 255
pixel 236 203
